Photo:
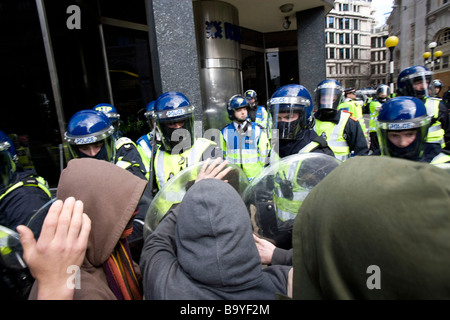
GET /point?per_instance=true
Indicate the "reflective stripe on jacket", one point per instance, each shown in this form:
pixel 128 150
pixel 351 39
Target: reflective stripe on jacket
pixel 167 165
pixel 435 132
pixel 334 134
pixel 29 181
pixel 250 150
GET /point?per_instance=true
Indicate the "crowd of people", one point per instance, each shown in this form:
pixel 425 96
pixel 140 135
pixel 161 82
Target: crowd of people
pixel 206 245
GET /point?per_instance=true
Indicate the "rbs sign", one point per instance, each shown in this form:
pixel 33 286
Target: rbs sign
pixel 214 30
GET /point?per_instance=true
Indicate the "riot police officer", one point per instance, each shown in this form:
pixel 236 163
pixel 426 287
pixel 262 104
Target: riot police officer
pixel 111 112
pixel 415 82
pixel 402 128
pixel 146 144
pixel 90 134
pixel 244 143
pixel 382 95
pixel 257 113
pixel 341 130
pixel 291 110
pixel 22 194
pixel 350 104
pixel 174 117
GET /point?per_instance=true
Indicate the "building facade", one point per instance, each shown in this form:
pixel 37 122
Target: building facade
pixel 417 24
pixel 379 57
pixel 348 43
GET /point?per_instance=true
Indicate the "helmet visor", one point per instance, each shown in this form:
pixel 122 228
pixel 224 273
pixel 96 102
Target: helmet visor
pixel 328 98
pixel 419 83
pixel 289 115
pixel 411 151
pixel 6 168
pixel 177 133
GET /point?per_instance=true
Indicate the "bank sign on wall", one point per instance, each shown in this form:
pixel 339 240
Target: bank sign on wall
pixel 214 30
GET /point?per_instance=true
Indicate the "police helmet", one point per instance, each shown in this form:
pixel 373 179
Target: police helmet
pixel 251 95
pixel 383 92
pixel 399 114
pixel 149 113
pixel 111 112
pixel 170 108
pixel 8 156
pixel 436 84
pixel 91 127
pixel 236 102
pixel 328 94
pixel 411 76
pixel 290 99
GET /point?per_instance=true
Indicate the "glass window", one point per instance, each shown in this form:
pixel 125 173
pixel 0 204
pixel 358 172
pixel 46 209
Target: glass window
pixel 347 23
pixel 445 62
pixel 331 54
pixel 282 68
pixel 253 73
pixel 355 24
pixel 330 22
pixel 118 9
pixel 356 39
pixel 131 77
pixel 29 115
pixel 331 37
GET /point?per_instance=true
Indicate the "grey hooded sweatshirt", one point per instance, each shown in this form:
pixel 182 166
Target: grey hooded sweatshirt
pixel 204 249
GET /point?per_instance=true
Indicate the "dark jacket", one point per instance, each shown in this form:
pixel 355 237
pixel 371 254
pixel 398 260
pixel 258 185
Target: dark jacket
pixel 18 206
pixel 290 147
pixel 204 249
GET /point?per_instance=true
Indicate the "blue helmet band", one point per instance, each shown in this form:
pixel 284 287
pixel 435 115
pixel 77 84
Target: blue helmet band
pixel 405 124
pixel 177 114
pixel 425 73
pixel 91 138
pixel 290 100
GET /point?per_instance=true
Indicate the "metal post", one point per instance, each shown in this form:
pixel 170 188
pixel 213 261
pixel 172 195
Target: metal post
pixel 391 70
pixel 51 66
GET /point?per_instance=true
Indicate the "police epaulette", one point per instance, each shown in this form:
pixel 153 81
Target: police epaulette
pixel 29 180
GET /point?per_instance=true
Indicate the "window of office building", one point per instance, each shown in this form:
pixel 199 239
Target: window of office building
pixel 282 68
pixel 128 56
pixel 347 38
pixel 330 22
pixel 29 114
pixel 445 62
pixel 347 23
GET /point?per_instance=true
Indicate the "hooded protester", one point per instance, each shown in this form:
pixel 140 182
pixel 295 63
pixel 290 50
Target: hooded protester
pixel 387 242
pixel 110 196
pixel 204 249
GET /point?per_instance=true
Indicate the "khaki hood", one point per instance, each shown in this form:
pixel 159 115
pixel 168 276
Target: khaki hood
pixel 110 195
